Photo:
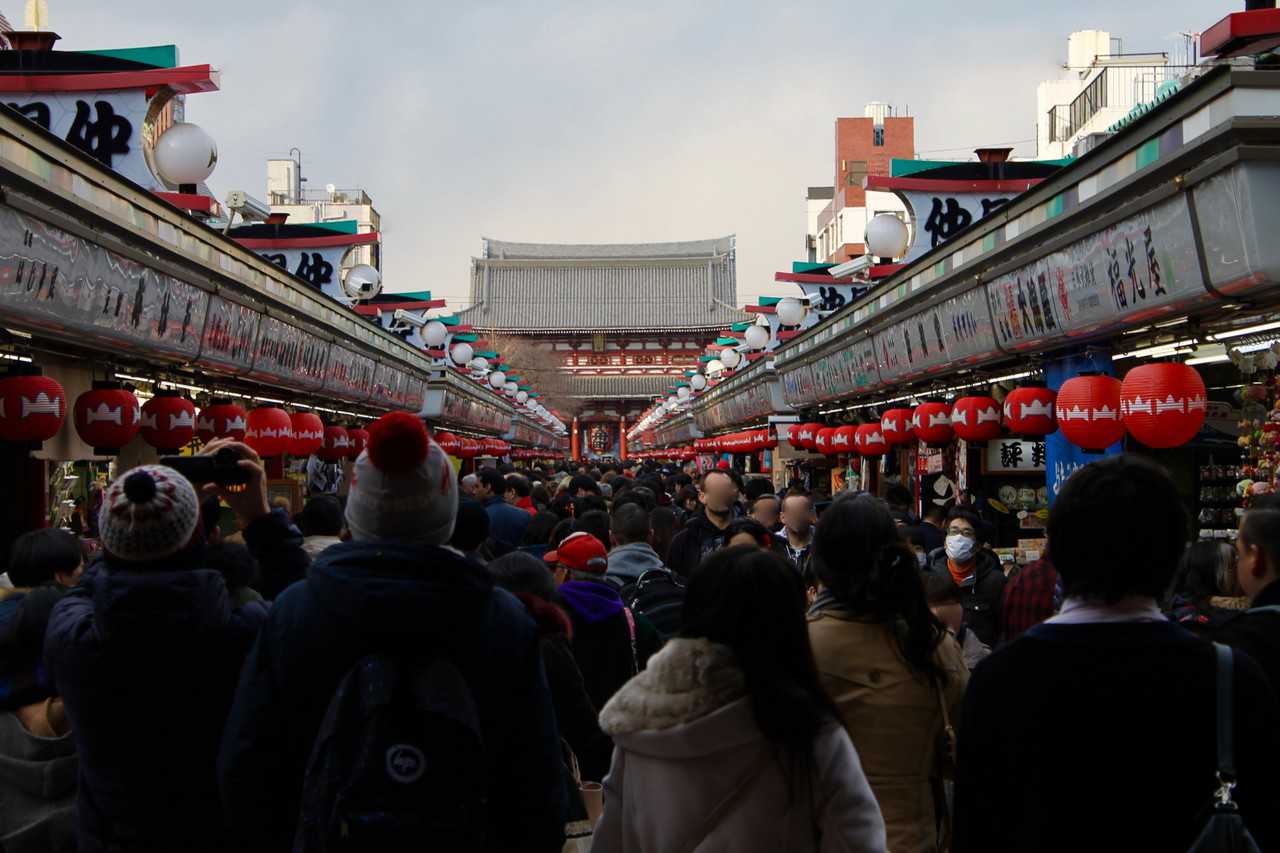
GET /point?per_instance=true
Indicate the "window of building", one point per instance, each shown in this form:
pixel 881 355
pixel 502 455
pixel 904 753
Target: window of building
pixel 877 137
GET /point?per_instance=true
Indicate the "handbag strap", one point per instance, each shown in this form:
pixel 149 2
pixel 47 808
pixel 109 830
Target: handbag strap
pixel 631 629
pixel 718 813
pixel 947 729
pixel 1224 662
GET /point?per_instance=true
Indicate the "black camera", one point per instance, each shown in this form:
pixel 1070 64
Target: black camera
pixel 220 468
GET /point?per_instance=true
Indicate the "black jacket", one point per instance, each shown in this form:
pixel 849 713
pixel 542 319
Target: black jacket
pixel 1063 706
pixel 1258 633
pixel 698 539
pixel 981 600
pixel 360 598
pixel 602 638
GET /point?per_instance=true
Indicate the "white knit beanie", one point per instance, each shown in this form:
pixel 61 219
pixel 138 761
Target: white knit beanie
pixel 148 513
pixel 402 486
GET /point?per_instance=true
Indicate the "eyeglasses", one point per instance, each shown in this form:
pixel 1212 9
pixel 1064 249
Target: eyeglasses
pixel 962 531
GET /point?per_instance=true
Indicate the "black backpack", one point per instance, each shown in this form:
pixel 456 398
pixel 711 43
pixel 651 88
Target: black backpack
pixel 657 595
pixel 398 763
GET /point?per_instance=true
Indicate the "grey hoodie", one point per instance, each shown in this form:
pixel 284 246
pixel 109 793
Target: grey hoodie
pixel 37 790
pixel 628 562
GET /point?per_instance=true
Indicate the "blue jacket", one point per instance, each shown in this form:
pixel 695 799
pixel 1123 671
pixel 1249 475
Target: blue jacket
pixel 507 523
pixel 146 659
pixel 363 597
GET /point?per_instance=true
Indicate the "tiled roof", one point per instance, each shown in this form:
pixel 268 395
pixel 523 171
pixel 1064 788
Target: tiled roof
pixel 621 386
pixel 652 286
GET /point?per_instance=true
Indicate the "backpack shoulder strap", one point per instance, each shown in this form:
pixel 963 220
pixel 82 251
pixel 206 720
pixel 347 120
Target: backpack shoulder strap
pixel 631 629
pixel 1225 664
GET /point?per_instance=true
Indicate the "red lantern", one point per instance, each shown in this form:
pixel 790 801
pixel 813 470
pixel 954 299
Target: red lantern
pixel 308 434
pixel 107 418
pixel 359 441
pixel 1088 410
pixel 221 419
pixel 976 418
pixel 870 440
pixel 895 425
pixel 336 446
pixel 803 435
pixel 1029 411
pixel 32 408
pixel 448 442
pixel 768 441
pixel 822 441
pixel 269 432
pixel 1163 405
pixel 931 423
pixel 843 439
pixel 168 421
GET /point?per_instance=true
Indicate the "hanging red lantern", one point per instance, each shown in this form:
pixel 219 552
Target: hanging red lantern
pixel 448 442
pixel 1088 411
pixel 843 439
pixel 168 421
pixel 1028 411
pixel 269 432
pixel 895 425
pixel 931 422
pixel 359 441
pixel 1163 405
pixel 107 418
pixel 221 419
pixel 822 440
pixel 976 418
pixel 768 441
pixel 32 407
pixel 803 435
pixel 336 445
pixel 308 434
pixel 871 440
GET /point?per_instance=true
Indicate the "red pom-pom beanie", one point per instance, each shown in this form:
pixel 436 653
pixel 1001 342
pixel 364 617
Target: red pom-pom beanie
pixel 402 487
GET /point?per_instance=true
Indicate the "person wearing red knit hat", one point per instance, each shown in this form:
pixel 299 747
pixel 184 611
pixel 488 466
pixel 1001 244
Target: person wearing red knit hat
pixel 396 613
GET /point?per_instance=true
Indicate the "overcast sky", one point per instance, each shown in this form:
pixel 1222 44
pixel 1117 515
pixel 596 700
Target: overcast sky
pixel 601 122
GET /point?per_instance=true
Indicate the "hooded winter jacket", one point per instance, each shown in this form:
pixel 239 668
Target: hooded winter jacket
pixel 602 638
pixel 687 740
pixel 628 562
pixel 146 661
pixel 361 598
pixel 37 790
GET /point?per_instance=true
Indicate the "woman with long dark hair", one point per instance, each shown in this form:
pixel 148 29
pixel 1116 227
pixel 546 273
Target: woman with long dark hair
pixel 727 740
pixel 892 669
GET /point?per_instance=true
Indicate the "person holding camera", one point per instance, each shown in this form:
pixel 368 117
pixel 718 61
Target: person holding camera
pixel 146 651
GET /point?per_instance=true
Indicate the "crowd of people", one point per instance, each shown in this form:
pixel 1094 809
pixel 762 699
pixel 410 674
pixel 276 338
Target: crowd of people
pixel 631 658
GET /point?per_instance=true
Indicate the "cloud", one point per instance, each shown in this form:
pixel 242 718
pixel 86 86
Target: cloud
pixel 571 122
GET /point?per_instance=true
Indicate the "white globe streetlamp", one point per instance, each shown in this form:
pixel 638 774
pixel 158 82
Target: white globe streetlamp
pixel 185 155
pixel 510 389
pixel 791 312
pixel 497 379
pixel 715 366
pixel 362 282
pixel 698 381
pixel 521 397
pixel 730 357
pixel 461 354
pixel 683 392
pixel 886 236
pixel 435 333
pixel 757 337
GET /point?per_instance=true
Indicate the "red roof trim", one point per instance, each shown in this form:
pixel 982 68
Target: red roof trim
pixel 189 201
pixel 810 278
pixel 308 242
pixel 760 309
pixel 788 334
pixel 884 270
pixel 187 79
pixel 880 182
pixel 372 310
pixel 1239 26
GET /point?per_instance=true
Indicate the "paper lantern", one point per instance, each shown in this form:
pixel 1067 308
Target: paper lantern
pixel 32 408
pixel 822 440
pixel 336 445
pixel 931 422
pixel 870 440
pixel 803 435
pixel 1163 405
pixel 308 434
pixel 471 448
pixel 768 441
pixel 1028 411
pixel 1088 411
pixel 168 421
pixel 107 418
pixel 976 418
pixel 221 419
pixel 269 431
pixel 359 441
pixel 895 425
pixel 448 442
pixel 842 441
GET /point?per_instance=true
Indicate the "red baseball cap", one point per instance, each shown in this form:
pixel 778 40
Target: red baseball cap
pixel 580 552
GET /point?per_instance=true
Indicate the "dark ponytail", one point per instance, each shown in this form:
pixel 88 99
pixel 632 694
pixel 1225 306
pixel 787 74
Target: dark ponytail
pixel 861 558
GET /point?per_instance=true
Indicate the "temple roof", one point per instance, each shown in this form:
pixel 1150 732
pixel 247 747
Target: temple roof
pixel 658 287
pixel 621 386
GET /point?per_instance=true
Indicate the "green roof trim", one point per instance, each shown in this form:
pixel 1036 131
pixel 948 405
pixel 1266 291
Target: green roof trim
pixel 741 327
pixel 485 354
pixel 413 295
pixel 525 387
pixel 338 226
pixel 534 394
pixel 799 267
pixel 682 384
pixel 466 337
pixel 451 320
pixel 706 359
pixel 727 342
pixel 158 56
pixel 766 301
pixel 899 168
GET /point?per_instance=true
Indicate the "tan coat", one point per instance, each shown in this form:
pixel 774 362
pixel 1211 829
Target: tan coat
pixel 893 717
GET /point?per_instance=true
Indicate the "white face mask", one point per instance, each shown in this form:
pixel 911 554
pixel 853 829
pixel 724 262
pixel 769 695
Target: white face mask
pixel 923 559
pixel 961 548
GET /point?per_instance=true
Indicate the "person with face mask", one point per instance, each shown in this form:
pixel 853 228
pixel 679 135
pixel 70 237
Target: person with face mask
pixel 974 570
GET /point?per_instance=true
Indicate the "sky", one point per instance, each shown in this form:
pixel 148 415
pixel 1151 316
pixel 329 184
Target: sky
pixel 578 122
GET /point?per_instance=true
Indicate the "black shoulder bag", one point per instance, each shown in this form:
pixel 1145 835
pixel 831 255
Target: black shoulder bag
pixel 1225 831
